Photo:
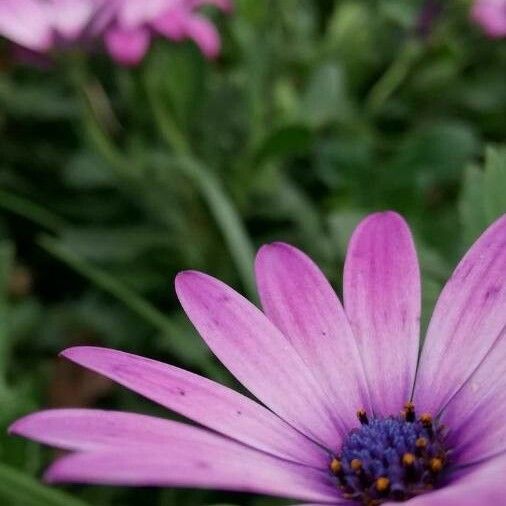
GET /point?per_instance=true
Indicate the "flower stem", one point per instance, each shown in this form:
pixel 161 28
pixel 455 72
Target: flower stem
pixel 393 77
pixel 221 207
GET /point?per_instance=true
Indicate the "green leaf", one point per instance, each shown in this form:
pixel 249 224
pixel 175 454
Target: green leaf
pixel 18 489
pixel 286 141
pixel 471 205
pixel 325 99
pixel 6 262
pixel 494 184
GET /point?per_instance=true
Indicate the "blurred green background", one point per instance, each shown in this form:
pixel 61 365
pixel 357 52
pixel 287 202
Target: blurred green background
pixel 113 180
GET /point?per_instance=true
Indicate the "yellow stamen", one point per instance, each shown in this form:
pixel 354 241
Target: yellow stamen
pixel 336 466
pixel 408 459
pixel 382 484
pixel 436 465
pixel 356 465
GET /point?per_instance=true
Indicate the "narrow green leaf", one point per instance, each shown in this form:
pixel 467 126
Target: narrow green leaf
pixel 471 205
pixel 495 183
pixel 6 261
pixel 18 489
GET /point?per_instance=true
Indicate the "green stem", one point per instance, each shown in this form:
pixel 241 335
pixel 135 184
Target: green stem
pixel 221 207
pixel 394 76
pixel 109 284
pixel 31 211
pixel 129 298
pixel 6 261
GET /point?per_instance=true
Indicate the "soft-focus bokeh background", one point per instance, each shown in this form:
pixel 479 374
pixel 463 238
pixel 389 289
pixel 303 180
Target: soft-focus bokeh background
pixel 112 180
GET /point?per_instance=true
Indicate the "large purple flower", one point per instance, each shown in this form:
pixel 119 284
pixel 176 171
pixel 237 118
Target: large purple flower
pixel 347 415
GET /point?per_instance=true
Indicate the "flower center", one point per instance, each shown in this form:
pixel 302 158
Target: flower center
pixel 391 459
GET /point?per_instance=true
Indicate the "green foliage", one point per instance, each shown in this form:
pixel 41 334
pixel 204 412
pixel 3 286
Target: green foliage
pixel 113 180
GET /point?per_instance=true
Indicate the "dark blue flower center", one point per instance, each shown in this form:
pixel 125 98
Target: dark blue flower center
pixel 391 459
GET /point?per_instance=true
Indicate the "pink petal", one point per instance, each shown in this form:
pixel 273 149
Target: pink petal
pixel 221 467
pixel 201 400
pixel 382 300
pixel 257 354
pixel 299 300
pixel 204 34
pixel 491 16
pixel 468 319
pixel 127 47
pixel 475 416
pixel 70 17
pixel 480 485
pixel 26 23
pixel 91 429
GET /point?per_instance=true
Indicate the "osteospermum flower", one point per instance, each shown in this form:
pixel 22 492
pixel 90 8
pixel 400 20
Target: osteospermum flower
pixel 135 23
pixel 125 26
pixel 491 16
pixel 345 415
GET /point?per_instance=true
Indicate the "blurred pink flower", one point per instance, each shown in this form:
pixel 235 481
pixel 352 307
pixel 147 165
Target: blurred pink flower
pixel 136 23
pixel 40 25
pixel 126 26
pixel 491 16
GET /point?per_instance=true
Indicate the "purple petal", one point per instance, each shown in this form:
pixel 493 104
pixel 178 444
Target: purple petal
pixel 201 400
pixel 299 300
pixel 220 467
pixel 26 23
pixel 257 354
pixel 127 46
pixel 204 34
pixel 480 485
pixel 491 16
pixel 382 300
pixel 469 317
pixel 70 17
pixel 93 430
pixel 475 416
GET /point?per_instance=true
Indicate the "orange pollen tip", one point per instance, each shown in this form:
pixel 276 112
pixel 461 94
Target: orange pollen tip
pixel 436 465
pixel 409 406
pixel 382 484
pixel 336 466
pixel 408 459
pixel 356 465
pixel 426 419
pixel 421 442
pixel 362 416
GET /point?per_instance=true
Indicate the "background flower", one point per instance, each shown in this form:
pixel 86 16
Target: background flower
pixel 491 16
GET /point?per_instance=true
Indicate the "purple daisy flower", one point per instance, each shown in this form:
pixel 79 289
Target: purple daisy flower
pixel 349 415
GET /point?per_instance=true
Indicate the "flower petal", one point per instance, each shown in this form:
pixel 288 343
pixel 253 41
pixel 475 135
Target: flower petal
pixel 201 400
pixel 93 429
pixel 299 300
pixel 382 299
pixel 469 317
pixel 26 23
pixel 204 34
pixel 257 354
pixel 475 416
pixel 127 46
pixel 220 467
pixel 480 485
